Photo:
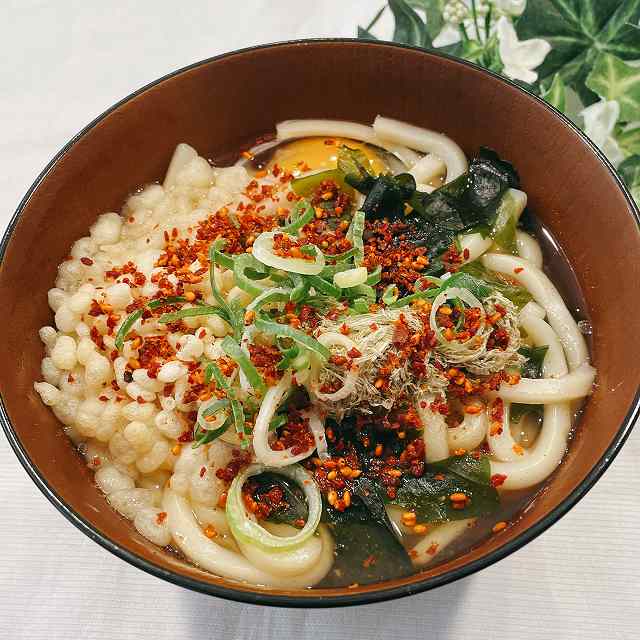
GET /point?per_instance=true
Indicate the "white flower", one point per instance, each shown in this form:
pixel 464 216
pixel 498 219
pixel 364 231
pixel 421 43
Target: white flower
pixel 520 58
pixel 511 7
pixel 456 13
pixel 599 121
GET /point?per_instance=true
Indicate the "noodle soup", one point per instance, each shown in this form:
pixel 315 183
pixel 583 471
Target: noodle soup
pixel 338 361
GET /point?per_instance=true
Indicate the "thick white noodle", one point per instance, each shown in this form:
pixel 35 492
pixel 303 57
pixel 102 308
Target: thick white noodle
pixel 428 167
pixel 538 462
pixel 264 453
pixel 289 562
pixel 503 445
pixel 423 140
pixel 576 384
pixel 554 364
pixel 528 248
pixel 257 150
pixel 181 157
pixel 470 433
pixel 424 188
pixel 205 553
pixel 434 430
pixel 291 129
pixel 475 244
pixel 546 454
pixel 435 541
pixel 533 308
pixel 547 296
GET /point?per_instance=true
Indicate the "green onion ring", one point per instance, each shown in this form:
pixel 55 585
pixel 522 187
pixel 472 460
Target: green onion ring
pixel 250 531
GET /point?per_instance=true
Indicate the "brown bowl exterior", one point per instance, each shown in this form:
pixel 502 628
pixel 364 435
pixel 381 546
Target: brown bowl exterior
pixel 217 105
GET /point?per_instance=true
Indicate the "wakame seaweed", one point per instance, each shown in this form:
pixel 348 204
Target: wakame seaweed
pixel 294 507
pixel 429 494
pixel 433 220
pixel 532 368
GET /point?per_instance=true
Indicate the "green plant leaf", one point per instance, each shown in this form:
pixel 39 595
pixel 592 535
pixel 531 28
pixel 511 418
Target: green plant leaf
pixel 612 79
pixel 410 27
pixel 630 172
pixel 629 139
pixel 433 14
pixel 556 94
pixel 364 33
pixel 578 30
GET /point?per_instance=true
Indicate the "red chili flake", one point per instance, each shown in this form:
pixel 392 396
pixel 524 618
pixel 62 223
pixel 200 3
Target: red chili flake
pixel 497 479
pixel 518 270
pixel 161 517
pixel 203 470
pixel 86 261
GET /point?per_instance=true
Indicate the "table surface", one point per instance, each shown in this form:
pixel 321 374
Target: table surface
pixel 62 64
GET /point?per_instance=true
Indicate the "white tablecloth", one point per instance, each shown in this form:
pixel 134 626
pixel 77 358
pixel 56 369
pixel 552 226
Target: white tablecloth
pixel 64 62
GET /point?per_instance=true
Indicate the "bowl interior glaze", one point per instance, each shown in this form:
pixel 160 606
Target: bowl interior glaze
pixel 218 105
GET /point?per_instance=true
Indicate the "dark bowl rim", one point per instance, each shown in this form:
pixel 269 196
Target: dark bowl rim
pixel 309 601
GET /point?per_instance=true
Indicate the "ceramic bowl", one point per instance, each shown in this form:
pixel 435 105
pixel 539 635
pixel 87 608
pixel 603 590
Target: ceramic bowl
pixel 217 106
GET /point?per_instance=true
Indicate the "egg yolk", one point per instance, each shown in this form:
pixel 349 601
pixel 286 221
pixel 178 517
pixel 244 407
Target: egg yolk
pixel 320 153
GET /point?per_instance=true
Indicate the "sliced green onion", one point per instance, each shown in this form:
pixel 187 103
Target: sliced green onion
pixel 285 331
pixel 403 302
pixel 390 294
pixel 212 408
pixel 304 213
pixel 126 327
pixel 360 305
pixel 205 437
pixel 231 313
pixel 324 286
pixel 301 362
pixel 279 420
pixel 267 297
pixel 341 257
pixel 301 288
pixel 375 276
pixel 223 259
pixel 161 302
pixel 350 278
pixel 193 312
pixel 263 251
pixel 249 531
pixel 208 372
pixel 240 265
pixel 212 371
pixel 355 235
pixel 360 291
pixel 238 420
pixel 330 270
pixel 215 248
pixel 277 275
pixel 306 185
pixel 233 350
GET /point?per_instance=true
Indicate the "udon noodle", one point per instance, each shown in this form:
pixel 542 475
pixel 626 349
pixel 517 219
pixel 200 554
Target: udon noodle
pixel 316 366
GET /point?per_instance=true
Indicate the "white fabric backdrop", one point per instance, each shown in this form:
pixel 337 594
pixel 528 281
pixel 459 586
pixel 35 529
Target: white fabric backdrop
pixel 62 63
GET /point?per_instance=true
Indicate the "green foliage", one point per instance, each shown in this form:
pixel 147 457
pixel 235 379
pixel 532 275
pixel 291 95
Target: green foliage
pixel 578 31
pixel 611 78
pixel 630 172
pixel 410 27
pixel 556 93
